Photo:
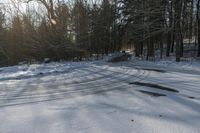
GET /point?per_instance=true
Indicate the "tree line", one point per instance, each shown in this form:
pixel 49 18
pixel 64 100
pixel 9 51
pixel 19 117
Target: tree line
pixel 68 29
pixel 163 25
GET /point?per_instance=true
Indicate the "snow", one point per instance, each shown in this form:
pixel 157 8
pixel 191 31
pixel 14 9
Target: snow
pixel 99 97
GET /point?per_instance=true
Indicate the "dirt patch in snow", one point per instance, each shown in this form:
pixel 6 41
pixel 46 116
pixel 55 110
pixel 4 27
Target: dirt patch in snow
pixel 156 86
pixel 155 70
pixel 191 97
pixel 154 94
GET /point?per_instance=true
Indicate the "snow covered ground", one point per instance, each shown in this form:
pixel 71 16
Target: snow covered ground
pixel 101 97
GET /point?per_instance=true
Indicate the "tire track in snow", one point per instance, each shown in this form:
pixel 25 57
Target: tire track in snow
pixel 88 87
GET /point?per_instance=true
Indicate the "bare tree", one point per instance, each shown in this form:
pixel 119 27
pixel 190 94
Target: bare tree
pixel 49 5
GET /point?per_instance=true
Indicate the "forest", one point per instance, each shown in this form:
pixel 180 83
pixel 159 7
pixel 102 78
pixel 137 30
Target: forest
pixel 32 30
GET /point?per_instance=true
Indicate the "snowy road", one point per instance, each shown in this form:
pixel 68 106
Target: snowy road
pixel 99 97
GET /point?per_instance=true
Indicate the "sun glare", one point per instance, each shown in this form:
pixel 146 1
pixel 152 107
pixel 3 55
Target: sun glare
pixel 53 21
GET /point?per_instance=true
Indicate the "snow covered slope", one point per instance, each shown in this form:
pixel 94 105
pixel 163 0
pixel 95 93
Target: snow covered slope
pixel 100 97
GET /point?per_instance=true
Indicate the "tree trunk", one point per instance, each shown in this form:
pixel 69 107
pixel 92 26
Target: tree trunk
pixel 191 21
pixel 137 50
pixel 198 25
pixel 178 48
pixel 178 11
pixel 198 38
pixel 182 45
pixel 141 48
pixel 161 49
pixel 182 13
pixel 173 41
pixel 169 42
pixel 170 33
pixel 150 49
